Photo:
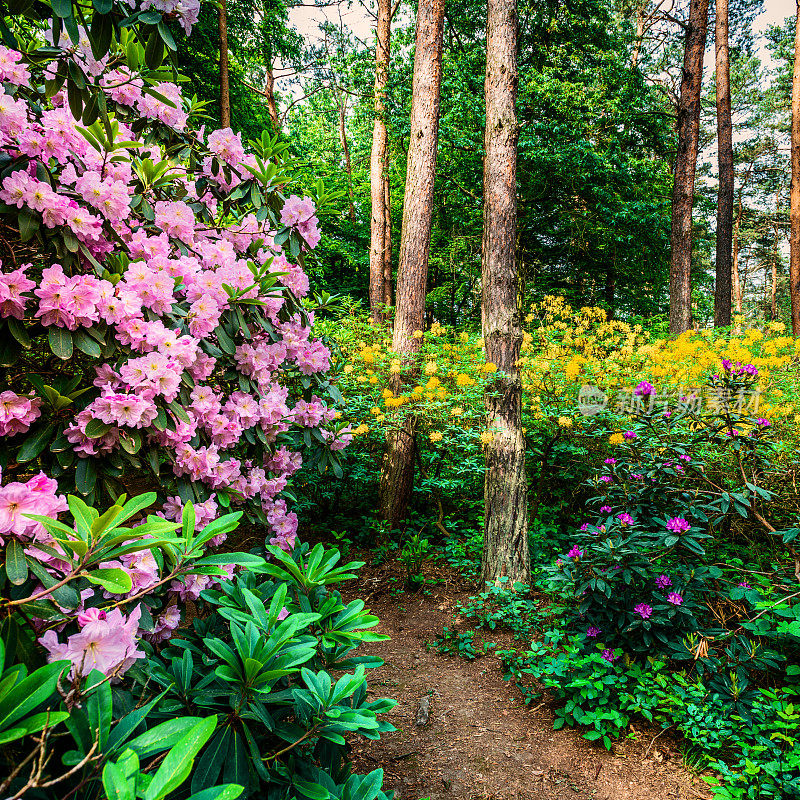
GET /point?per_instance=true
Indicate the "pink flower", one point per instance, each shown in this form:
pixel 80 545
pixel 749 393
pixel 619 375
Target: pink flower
pixel 575 552
pixel 674 598
pixel 678 525
pixel 663 581
pixel 106 644
pixel 643 610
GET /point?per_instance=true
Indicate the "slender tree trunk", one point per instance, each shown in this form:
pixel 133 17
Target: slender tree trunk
pixel 722 295
pixel 224 71
pixel 737 285
pixel 380 235
pixel 348 167
pixel 794 231
pixel 637 47
pixel 397 475
pixel 272 105
pixel 773 306
pixel 680 277
pixel 505 539
pixel 387 249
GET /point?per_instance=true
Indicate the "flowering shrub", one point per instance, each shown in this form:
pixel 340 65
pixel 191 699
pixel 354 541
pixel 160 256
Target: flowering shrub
pixel 251 672
pixel 152 322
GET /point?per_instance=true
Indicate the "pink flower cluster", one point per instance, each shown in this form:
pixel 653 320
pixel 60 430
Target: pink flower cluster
pixel 17 412
pixel 107 641
pixel 36 496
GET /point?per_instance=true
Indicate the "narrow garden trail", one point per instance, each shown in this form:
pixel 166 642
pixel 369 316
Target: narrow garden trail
pixel 481 742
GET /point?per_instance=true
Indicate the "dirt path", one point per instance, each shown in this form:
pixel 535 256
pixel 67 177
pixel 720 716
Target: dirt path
pixel 481 742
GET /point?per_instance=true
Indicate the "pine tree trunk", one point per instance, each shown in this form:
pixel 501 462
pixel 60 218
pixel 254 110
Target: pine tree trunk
pixel 735 279
pixel 378 176
pixel 224 71
pixel 348 167
pixel 505 542
pixel 397 476
pixel 722 295
pixel 794 231
pixel 387 261
pixel 773 306
pixel 680 277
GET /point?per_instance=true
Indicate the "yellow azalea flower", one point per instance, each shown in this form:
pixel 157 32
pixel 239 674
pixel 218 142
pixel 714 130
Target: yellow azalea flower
pixel 564 422
pixel 417 334
pixel 616 438
pixel 489 367
pixel 436 436
pixel 348 369
pixel 373 379
pixel 431 367
pixel 375 410
pixel 337 415
pixel 486 437
pixel 457 411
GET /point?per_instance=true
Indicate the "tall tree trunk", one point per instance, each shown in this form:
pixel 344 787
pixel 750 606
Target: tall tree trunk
pixel 637 47
pixel 794 212
pixel 348 167
pixel 680 275
pixel 722 295
pixel 272 105
pixel 397 475
pixel 505 532
pixel 735 280
pixel 387 249
pixel 380 235
pixel 773 306
pixel 224 71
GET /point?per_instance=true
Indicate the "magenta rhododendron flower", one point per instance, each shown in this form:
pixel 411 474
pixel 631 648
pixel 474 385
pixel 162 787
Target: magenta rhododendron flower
pixel 674 598
pixel 630 435
pixel 593 632
pixel 677 525
pixel 625 518
pixel 643 610
pixel 663 581
pixel 575 552
pixel 609 656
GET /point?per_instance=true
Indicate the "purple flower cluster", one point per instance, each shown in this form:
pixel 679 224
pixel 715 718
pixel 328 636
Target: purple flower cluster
pixel 678 525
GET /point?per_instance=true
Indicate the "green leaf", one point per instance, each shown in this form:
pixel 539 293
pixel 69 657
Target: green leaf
pixel 85 475
pixel 177 764
pixel 113 580
pixel 16 563
pixel 35 443
pixel 60 341
pixel 228 791
pixel 96 428
pixel 30 692
pixel 162 736
pixel 33 724
pixel 98 706
pixel 18 331
pixel 87 344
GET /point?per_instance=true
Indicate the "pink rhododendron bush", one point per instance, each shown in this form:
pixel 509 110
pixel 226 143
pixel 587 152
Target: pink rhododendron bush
pixel 152 307
pixel 154 333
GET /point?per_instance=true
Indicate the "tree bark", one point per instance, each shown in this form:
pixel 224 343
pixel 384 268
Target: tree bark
pixel 773 306
pixel 387 261
pixel 680 277
pixel 224 71
pixel 735 280
pixel 348 167
pixel 380 234
pixel 272 105
pixel 794 211
pixel 722 294
pixel 397 475
pixel 505 532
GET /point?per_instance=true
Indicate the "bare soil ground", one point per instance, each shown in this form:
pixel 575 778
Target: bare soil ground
pixel 481 741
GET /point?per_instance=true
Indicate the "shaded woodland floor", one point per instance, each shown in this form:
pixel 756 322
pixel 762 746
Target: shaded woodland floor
pixel 481 741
